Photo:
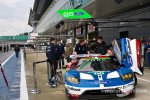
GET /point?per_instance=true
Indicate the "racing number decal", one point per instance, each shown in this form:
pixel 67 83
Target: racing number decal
pixel 100 78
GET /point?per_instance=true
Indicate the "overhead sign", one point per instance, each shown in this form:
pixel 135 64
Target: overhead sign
pixel 74 14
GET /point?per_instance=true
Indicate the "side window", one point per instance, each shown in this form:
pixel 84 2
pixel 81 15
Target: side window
pixel 117 51
pixel 129 47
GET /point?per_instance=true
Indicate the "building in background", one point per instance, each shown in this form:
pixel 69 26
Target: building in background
pixel 123 16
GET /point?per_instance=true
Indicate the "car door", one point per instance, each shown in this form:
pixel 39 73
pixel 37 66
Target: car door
pixel 117 51
pixel 131 54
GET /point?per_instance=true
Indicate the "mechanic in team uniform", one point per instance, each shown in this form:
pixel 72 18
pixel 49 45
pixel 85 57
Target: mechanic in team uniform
pixel 61 48
pixel 111 54
pixel 100 47
pixel 52 54
pixel 81 47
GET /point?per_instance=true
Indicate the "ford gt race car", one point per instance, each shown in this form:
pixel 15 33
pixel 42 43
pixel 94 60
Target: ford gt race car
pixel 96 75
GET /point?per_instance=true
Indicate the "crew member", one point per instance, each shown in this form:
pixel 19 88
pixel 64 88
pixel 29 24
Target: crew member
pixel 81 47
pixel 100 47
pixel 61 48
pixel 52 54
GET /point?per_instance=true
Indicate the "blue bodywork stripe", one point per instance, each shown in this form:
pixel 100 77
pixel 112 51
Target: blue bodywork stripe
pixel 96 83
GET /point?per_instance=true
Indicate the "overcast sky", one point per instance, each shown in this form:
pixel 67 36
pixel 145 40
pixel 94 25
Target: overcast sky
pixel 14 16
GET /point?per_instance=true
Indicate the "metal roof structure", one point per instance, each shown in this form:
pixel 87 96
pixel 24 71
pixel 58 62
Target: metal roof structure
pixel 39 8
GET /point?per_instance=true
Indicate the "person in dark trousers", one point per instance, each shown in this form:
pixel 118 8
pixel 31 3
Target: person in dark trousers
pixel 100 47
pixel 52 54
pixel 62 53
pixel 81 47
pixel 4 48
pixel 7 48
pixel 17 50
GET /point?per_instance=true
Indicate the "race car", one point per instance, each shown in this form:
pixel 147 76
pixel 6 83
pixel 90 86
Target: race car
pixel 96 75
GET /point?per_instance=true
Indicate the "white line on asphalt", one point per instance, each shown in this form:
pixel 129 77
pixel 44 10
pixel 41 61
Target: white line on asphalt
pixel 144 80
pixel 7 60
pixel 23 84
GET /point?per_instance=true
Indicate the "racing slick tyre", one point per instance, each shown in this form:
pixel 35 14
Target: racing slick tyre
pixel 133 92
pixel 67 97
pixel 122 95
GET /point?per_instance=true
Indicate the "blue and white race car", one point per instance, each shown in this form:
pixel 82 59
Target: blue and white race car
pixel 98 75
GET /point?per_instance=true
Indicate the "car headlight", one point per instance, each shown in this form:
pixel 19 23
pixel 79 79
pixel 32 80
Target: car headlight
pixel 72 79
pixel 127 77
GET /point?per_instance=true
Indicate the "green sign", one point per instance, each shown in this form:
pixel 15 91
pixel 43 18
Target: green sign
pixel 74 14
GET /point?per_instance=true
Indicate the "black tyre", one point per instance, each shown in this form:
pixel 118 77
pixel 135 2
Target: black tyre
pixel 135 79
pixel 67 97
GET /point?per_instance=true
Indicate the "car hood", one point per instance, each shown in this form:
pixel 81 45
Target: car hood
pixel 99 78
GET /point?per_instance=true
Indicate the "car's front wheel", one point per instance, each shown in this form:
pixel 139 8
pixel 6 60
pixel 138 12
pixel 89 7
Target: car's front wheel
pixel 121 95
pixel 67 97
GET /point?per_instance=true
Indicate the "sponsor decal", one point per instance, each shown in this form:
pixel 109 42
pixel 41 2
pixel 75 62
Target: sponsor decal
pixel 79 13
pixel 102 82
pixel 73 89
pixel 111 91
pixel 98 73
pixel 74 14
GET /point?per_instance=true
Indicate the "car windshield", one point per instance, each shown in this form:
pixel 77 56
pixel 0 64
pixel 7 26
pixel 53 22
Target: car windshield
pixel 96 65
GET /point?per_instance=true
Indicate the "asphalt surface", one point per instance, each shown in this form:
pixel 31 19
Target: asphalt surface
pixel 4 55
pixel 11 67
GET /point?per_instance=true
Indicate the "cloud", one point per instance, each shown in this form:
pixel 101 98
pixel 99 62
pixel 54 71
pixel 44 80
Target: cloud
pixel 14 16
pixel 13 28
pixel 11 3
